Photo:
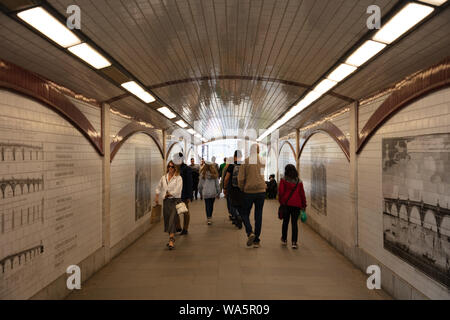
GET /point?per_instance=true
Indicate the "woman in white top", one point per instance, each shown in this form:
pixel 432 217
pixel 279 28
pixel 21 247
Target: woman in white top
pixel 170 187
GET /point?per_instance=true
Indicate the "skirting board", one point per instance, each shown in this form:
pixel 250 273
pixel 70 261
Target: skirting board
pixel 391 283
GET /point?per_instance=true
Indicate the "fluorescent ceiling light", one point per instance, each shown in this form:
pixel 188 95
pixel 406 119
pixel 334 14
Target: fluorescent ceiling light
pixel 365 52
pixel 91 56
pixel 341 72
pixel 407 18
pixel 181 123
pixel 324 86
pixel 138 91
pixel 191 131
pixel 434 2
pixel 45 23
pixel 167 113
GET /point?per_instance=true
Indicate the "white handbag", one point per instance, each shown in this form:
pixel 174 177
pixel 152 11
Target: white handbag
pixel 181 208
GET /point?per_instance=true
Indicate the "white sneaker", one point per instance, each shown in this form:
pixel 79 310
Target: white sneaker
pixel 209 221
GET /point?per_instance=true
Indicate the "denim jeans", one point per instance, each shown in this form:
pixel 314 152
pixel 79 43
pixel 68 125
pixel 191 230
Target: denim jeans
pixel 209 206
pixel 229 205
pixel 249 200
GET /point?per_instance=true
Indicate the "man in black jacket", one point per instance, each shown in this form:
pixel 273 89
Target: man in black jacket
pixel 195 178
pixel 186 192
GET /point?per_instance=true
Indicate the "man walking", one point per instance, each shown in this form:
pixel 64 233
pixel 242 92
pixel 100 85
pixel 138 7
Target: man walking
pixel 186 192
pixel 251 182
pixel 195 178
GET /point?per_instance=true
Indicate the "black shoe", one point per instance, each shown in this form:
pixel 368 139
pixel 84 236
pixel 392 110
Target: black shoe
pixel 250 239
pixel 179 230
pixel 183 232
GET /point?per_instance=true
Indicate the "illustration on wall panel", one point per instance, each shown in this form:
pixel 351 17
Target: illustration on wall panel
pixel 416 197
pixel 142 182
pixel 318 181
pixel 21 203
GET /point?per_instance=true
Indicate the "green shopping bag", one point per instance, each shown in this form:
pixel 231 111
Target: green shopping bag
pixel 303 216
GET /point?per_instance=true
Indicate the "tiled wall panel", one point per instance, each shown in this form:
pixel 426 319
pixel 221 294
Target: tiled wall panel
pixel 287 156
pixel 366 110
pixel 176 148
pixel 342 121
pixel 138 164
pixel 50 199
pixel 91 112
pixel 117 123
pixel 427 116
pixel 325 173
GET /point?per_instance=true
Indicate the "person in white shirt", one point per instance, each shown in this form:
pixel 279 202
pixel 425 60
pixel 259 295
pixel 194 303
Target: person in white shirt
pixel 170 187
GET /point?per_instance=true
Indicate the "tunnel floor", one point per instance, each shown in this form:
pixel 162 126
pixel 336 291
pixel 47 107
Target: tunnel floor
pixel 213 262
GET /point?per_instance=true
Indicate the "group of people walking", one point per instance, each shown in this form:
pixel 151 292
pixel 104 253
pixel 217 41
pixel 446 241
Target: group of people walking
pixel 243 185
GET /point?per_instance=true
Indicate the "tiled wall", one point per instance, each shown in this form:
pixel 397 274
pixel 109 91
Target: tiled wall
pixel 139 154
pixel 427 116
pixel 176 148
pixel 286 157
pixel 271 163
pixel 323 162
pixel 51 199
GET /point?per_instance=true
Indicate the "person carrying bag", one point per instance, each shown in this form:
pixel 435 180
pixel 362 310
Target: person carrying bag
pixel 292 200
pixel 170 187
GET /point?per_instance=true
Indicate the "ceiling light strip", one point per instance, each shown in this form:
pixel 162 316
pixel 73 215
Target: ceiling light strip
pixel 52 28
pixel 405 19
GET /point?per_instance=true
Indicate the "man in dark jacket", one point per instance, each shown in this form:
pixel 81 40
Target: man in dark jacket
pixel 272 187
pixel 186 192
pixel 195 178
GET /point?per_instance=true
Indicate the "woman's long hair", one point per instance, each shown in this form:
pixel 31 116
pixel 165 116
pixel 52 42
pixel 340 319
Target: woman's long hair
pixel 211 169
pixel 290 172
pixel 177 168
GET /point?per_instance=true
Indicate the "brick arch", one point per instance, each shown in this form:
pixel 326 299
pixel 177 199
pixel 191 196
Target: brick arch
pixel 172 144
pixel 330 129
pixel 129 130
pixel 30 85
pixel 290 145
pixel 426 82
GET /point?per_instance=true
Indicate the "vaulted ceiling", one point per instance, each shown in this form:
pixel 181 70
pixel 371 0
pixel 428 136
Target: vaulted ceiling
pixel 226 64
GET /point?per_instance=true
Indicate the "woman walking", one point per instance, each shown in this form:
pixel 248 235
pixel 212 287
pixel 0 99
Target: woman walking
pixel 170 187
pixel 292 195
pixel 209 188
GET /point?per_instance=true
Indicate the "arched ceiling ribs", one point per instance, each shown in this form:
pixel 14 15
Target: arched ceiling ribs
pixel 170 147
pixel 46 92
pixel 129 130
pixel 410 90
pixel 283 144
pixel 330 129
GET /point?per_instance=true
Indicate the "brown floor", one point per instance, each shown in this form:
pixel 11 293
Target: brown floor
pixel 213 262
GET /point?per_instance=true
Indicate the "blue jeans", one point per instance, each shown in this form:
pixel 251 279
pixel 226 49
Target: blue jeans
pixel 249 200
pixel 209 206
pixel 229 205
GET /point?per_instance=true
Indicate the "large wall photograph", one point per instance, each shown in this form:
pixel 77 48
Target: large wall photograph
pixel 318 180
pixel 142 181
pixel 416 195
